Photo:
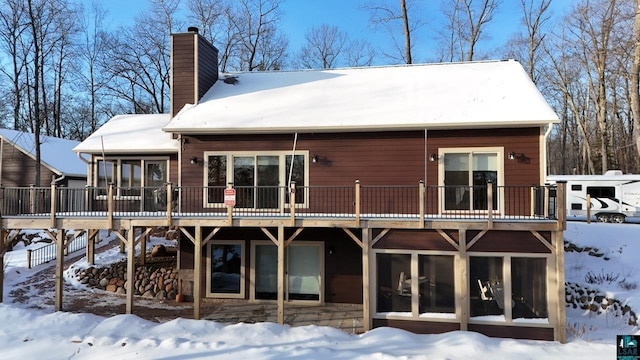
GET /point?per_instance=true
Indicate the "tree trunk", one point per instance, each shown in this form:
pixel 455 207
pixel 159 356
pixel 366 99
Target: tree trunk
pixel 407 32
pixel 635 80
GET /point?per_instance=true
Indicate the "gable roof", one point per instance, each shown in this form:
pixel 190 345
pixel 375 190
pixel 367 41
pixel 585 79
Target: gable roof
pixel 133 133
pixel 433 96
pixel 55 153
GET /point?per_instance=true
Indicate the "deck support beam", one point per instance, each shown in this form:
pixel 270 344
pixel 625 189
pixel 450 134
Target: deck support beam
pixel 281 276
pixel 197 273
pixel 92 236
pixel 59 269
pixel 2 251
pixel 366 291
pixel 131 267
pixel 463 272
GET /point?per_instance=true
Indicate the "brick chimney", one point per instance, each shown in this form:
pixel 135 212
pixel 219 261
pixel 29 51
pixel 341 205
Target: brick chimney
pixel 194 68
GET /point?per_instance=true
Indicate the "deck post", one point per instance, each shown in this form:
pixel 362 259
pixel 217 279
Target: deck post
pixel 131 268
pixel 2 251
pixel 561 204
pixel 357 203
pixel 230 208
pixel 490 204
pixel 169 202
pixel 421 193
pixel 143 248
pixel 366 302
pixel 32 199
pixel 110 207
pixel 464 281
pixel 197 274
pixel 91 246
pixel 59 269
pixel 560 333
pixel 292 203
pixel 54 205
pixel 281 275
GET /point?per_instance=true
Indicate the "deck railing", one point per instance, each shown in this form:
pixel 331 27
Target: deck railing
pixel 357 201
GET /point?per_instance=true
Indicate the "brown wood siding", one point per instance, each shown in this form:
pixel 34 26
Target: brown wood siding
pixel 182 71
pixel 394 158
pixel 416 240
pixel 207 66
pixel 19 169
pixel 509 241
pixel 514 332
pixel 377 158
pixel 417 327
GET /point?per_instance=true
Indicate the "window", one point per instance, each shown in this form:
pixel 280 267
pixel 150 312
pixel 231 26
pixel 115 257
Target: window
pixel 465 175
pixel 260 180
pixel 487 287
pixel 607 192
pixel 576 187
pixel 398 293
pixel 526 283
pixel 226 269
pixel 130 175
pixel 529 288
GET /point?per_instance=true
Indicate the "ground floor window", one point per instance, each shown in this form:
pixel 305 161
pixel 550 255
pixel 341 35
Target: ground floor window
pixel 410 284
pixel 226 269
pixel 489 288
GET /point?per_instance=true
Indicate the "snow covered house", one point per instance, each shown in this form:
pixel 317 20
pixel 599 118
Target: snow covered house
pixel 58 162
pixel 414 191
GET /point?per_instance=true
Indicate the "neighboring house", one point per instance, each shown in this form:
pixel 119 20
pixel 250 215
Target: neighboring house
pixel 58 162
pixel 412 190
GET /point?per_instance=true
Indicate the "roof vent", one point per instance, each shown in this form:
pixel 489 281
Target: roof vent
pixel 192 29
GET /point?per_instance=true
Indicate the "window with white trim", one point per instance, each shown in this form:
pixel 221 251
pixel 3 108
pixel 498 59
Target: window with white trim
pixel 414 283
pixel 130 175
pixel 465 174
pixel 261 179
pixel 493 278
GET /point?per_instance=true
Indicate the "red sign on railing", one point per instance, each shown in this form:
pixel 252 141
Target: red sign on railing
pixel 230 197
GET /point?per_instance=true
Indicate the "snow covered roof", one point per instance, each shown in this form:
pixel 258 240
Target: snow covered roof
pixel 433 96
pixel 55 153
pixel 133 133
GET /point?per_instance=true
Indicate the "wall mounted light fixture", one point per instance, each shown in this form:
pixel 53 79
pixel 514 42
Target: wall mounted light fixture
pixel 512 156
pixel 194 160
pixel 314 158
pixel 433 157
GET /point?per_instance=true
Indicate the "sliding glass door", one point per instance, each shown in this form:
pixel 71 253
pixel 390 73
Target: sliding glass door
pixel 303 271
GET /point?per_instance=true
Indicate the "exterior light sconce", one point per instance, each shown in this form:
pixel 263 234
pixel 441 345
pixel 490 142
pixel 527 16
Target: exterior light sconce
pixel 194 160
pixel 512 156
pixel 314 159
pixel 521 158
pixel 433 157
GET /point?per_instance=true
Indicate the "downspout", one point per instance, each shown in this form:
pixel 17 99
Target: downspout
pixel 89 169
pixel 545 167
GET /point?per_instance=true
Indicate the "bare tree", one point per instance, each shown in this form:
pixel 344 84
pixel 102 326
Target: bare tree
pixel 323 48
pixel 635 78
pixel 359 53
pixel 467 19
pixel 13 24
pixel 387 17
pixel 261 46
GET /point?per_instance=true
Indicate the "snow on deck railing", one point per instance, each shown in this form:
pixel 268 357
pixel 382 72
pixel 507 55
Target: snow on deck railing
pixel 354 202
pixel 48 252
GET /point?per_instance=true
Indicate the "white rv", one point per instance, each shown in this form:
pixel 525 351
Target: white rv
pixel 614 196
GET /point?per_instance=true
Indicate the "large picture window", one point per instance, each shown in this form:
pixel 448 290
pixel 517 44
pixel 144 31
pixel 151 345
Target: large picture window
pixel 260 180
pixel 465 175
pixel 130 175
pixel 415 283
pixel 524 294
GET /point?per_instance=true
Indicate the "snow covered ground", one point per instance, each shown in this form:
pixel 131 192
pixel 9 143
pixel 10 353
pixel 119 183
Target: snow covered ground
pixel 28 333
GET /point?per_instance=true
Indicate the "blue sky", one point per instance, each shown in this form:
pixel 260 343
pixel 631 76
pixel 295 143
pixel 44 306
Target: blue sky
pixel 348 16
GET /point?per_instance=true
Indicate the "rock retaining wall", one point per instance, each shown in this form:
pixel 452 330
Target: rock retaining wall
pixel 156 280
